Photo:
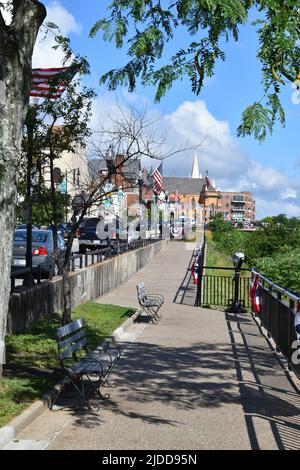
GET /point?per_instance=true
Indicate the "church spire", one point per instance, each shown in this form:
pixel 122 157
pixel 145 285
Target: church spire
pixel 195 169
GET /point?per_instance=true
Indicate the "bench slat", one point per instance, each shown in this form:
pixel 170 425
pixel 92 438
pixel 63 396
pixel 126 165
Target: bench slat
pixel 73 348
pixel 70 327
pixel 71 340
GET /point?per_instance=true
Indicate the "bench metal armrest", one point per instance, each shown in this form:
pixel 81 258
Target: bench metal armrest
pixel 159 296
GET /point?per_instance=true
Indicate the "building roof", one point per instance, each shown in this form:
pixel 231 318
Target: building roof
pixel 96 165
pixel 130 170
pixel 184 185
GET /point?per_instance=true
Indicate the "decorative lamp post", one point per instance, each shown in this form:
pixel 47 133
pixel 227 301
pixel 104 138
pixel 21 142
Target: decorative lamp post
pixel 110 162
pixel 140 184
pixel 77 204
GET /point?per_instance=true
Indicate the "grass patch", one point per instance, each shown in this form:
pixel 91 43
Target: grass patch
pixel 32 364
pixel 217 290
pixel 215 258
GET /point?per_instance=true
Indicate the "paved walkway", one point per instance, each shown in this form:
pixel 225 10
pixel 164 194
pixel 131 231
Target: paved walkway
pixel 200 379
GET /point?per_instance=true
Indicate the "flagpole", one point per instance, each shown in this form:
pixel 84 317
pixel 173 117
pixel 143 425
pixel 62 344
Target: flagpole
pixel 66 197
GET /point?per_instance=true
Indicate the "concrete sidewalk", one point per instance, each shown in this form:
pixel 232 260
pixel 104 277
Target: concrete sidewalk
pixel 200 379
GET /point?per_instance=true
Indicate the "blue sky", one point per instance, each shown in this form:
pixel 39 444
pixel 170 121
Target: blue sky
pixel 271 170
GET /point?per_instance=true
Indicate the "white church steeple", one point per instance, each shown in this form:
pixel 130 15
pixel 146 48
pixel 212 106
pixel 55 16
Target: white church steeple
pixel 195 169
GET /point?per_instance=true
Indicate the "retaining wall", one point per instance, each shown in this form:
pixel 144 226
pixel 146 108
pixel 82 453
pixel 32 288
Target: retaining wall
pixel 89 283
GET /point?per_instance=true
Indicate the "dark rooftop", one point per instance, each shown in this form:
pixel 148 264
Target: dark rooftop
pixel 184 185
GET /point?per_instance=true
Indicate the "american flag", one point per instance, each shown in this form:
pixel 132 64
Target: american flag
pixel 158 180
pixel 255 294
pixel 297 321
pixel 41 82
pixel 176 195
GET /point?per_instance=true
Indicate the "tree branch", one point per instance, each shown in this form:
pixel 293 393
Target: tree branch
pixel 2 23
pixel 28 15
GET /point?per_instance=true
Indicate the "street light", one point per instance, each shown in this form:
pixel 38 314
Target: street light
pixel 78 203
pixel 64 184
pixel 110 159
pixel 236 306
pixel 140 183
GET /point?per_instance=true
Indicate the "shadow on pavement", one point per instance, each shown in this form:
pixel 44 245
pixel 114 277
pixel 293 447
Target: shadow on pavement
pixel 186 292
pixel 207 376
pixel 270 395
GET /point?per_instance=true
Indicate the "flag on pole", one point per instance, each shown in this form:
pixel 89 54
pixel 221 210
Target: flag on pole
pixel 254 294
pixel 41 82
pixel 176 195
pixel 158 179
pixel 297 321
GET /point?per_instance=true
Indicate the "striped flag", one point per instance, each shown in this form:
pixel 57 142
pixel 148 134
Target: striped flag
pixel 254 294
pixel 41 82
pixel 297 321
pixel 176 195
pixel 158 179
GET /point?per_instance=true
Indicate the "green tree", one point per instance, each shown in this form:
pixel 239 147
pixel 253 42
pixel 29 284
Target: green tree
pixel 219 226
pixel 148 25
pixel 59 126
pixel 17 41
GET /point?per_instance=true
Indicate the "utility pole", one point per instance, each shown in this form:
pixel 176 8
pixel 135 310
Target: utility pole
pixel 31 115
pixel 66 196
pixel 140 183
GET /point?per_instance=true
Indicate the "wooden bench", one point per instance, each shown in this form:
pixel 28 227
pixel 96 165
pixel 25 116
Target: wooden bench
pixel 149 303
pixel 78 362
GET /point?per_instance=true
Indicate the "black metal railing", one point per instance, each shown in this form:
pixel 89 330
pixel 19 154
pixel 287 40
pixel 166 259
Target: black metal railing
pixel 82 260
pixel 200 257
pixel 277 316
pixel 218 290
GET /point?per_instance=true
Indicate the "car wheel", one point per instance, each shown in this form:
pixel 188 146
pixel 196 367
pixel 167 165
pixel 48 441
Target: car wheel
pixel 82 249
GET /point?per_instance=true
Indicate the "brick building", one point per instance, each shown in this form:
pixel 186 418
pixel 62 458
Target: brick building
pixel 201 191
pixel 234 205
pixel 127 178
pixel 237 206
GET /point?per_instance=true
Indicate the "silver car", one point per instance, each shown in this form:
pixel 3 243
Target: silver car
pixel 42 250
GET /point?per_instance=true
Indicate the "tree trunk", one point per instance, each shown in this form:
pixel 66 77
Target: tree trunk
pixel 67 294
pixel 67 299
pixel 16 48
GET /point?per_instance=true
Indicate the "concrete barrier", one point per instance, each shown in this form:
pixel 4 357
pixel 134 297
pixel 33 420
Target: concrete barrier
pixel 89 283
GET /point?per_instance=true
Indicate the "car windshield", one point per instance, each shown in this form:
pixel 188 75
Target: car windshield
pixel 91 222
pixel 37 237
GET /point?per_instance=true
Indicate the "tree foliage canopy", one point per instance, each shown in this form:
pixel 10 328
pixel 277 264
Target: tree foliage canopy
pixel 148 25
pixel 274 249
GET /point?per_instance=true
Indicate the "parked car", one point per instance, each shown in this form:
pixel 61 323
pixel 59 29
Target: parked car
pixel 42 250
pixel 24 227
pixel 96 232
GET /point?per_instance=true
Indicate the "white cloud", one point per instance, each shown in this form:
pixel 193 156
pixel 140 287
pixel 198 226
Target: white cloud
pixel 225 160
pixel 44 55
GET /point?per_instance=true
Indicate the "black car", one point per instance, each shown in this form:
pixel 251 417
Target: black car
pixel 96 232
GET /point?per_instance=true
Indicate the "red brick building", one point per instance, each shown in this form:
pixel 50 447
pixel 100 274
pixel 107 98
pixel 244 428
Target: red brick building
pixel 237 206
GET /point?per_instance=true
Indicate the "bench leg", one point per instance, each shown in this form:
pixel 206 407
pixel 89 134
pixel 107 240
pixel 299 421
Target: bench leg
pixel 80 392
pixel 58 393
pixel 96 387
